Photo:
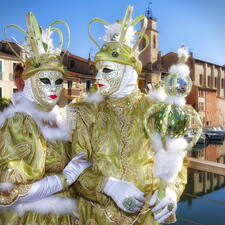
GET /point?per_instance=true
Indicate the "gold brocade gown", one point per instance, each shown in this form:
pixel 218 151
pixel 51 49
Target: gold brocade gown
pixel 112 133
pixel 25 157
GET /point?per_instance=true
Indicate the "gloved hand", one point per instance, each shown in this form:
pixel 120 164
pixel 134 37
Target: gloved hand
pixel 53 184
pixel 129 198
pixel 75 167
pixel 168 205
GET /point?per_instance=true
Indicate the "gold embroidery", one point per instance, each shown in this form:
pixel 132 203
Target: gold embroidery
pixel 12 196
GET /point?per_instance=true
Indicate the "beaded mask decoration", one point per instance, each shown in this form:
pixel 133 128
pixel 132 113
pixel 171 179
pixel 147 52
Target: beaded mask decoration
pixel 121 45
pixel 120 48
pixel 43 66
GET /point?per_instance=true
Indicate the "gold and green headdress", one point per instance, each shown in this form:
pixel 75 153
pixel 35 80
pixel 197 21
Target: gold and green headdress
pixel 38 52
pixel 122 41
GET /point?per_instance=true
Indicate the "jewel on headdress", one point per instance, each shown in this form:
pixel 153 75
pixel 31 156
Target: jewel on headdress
pixel 115 54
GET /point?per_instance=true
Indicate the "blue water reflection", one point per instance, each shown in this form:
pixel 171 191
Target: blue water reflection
pixel 203 201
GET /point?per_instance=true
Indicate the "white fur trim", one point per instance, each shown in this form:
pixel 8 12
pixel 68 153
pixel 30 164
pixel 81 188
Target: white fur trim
pixel 23 105
pixel 5 186
pixel 156 94
pixel 180 101
pixel 181 69
pixel 156 142
pixel 94 97
pixel 52 204
pixel 169 161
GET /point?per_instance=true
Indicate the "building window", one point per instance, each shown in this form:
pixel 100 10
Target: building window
pixel 209 81
pixel 1 69
pixel 200 177
pixel 72 63
pixel 200 93
pixel 201 107
pixel 15 90
pixel 70 83
pixel 154 41
pixel 222 83
pixel 201 79
pixel 215 84
pixel 14 65
pixel 88 84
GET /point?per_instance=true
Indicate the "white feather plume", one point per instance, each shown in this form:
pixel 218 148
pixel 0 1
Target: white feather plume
pixel 183 52
pixel 113 31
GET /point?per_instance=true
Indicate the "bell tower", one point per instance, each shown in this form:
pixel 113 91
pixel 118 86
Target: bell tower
pixel 150 58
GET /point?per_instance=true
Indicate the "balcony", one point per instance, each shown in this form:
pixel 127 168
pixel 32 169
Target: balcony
pixel 71 93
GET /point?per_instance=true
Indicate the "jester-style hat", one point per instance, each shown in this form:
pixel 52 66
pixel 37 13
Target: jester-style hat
pixel 38 51
pixel 121 42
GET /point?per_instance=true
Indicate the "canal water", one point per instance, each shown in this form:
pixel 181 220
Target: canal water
pixel 203 201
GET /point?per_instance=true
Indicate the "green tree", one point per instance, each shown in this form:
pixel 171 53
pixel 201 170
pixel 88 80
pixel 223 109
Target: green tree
pixel 4 102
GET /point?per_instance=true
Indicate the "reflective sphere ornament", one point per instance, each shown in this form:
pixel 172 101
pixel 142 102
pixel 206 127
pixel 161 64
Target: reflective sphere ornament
pixel 177 121
pixel 176 85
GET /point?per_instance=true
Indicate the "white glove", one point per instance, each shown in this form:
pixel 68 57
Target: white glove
pixel 125 194
pixel 75 167
pixel 53 184
pixel 164 208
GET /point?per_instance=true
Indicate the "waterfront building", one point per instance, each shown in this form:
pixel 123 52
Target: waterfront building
pixel 208 91
pixel 207 95
pixel 8 60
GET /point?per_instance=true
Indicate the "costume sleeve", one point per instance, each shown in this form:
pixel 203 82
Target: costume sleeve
pixel 179 184
pixel 22 155
pixel 90 183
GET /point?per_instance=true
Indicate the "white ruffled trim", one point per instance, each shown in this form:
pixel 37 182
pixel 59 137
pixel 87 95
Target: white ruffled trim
pixel 22 105
pixel 168 162
pixel 52 204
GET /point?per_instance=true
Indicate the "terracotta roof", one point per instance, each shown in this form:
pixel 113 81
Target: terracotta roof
pixel 70 74
pixel 78 58
pixel 8 56
pixel 197 59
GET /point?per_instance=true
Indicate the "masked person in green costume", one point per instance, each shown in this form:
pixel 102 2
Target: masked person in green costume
pixel 117 188
pixel 35 171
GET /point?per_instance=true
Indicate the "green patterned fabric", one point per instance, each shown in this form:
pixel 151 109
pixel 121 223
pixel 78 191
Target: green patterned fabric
pixel 25 157
pixel 112 134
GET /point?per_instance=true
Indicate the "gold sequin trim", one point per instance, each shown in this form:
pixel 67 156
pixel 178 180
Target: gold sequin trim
pixel 17 191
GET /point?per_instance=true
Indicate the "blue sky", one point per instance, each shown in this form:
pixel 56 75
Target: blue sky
pixel 200 24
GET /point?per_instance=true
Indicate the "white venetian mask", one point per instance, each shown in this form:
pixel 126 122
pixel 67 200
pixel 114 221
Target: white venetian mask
pixel 47 87
pixel 109 77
